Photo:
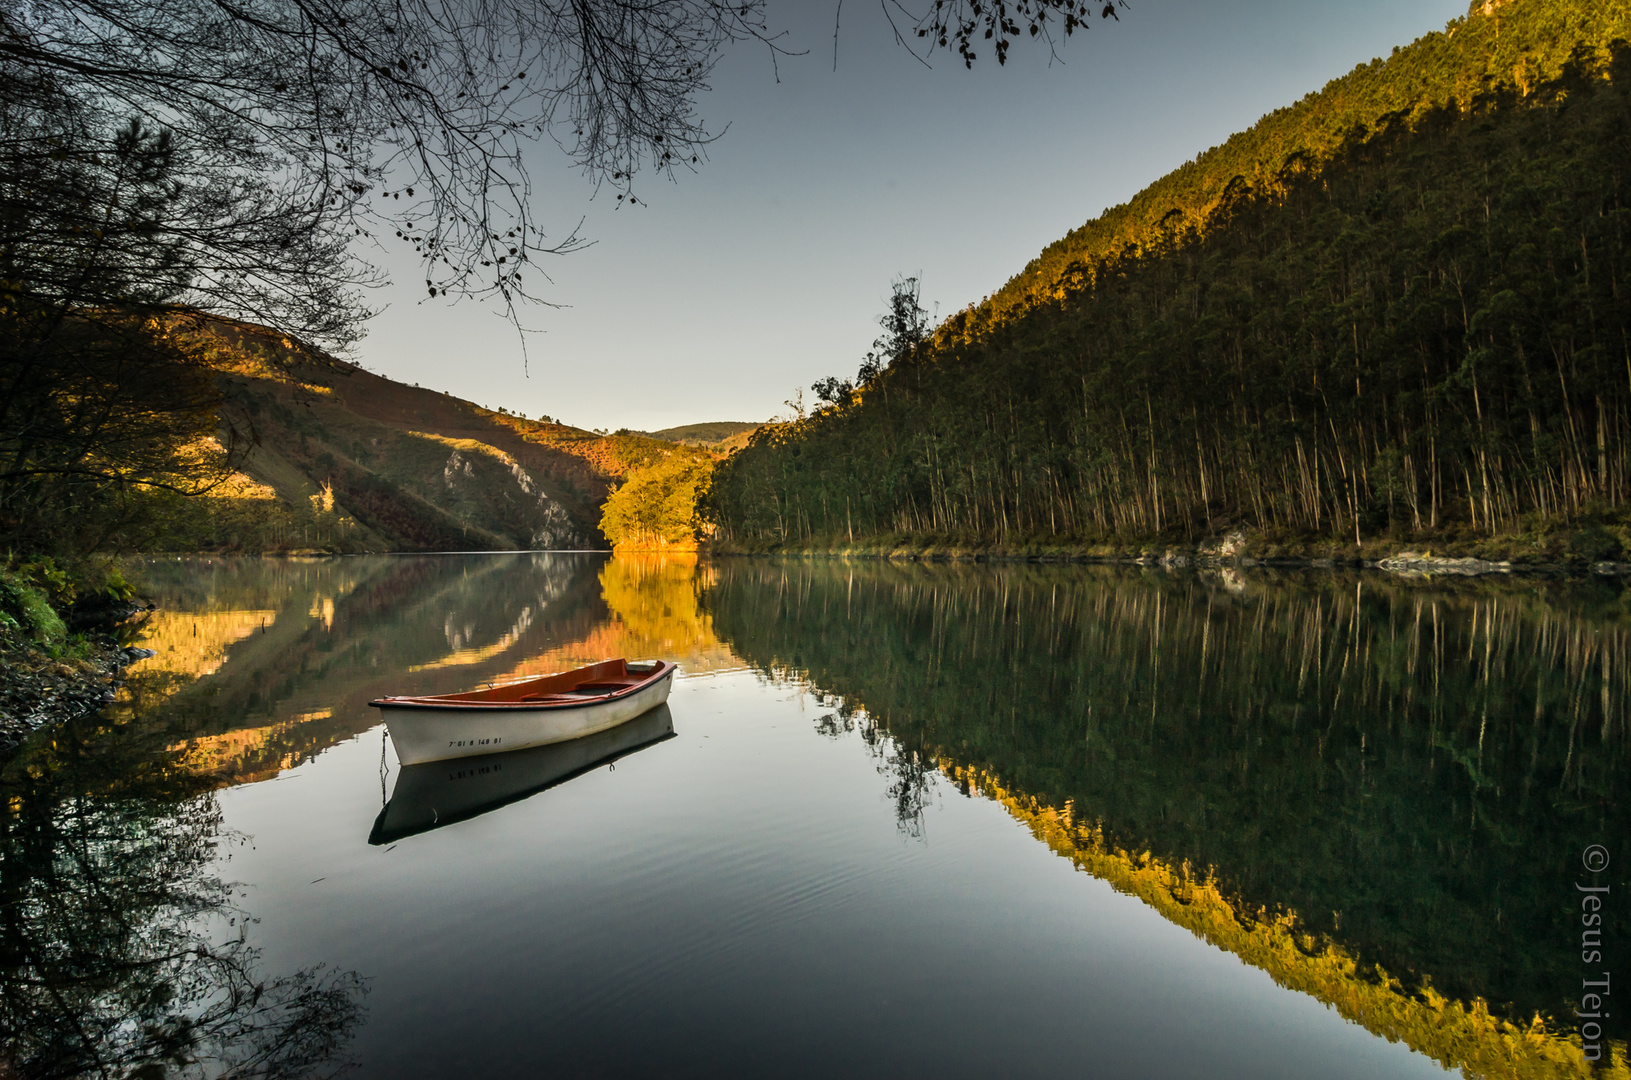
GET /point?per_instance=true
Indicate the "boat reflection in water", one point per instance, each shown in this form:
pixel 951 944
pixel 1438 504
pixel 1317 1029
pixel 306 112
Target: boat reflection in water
pixel 437 793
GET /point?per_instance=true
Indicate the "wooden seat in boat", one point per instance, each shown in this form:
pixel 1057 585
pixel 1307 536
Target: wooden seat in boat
pixel 594 689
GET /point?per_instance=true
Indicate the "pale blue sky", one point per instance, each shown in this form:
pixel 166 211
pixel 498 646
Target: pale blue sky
pixel 767 269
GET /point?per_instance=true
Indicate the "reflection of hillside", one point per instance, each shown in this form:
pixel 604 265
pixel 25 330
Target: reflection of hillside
pixel 306 644
pixel 341 633
pixel 195 643
pixel 1396 775
pixel 477 654
pixel 654 598
pixel 242 755
pixel 653 612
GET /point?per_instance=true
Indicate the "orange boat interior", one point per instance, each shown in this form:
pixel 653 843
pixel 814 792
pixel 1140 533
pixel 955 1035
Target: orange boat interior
pixel 597 680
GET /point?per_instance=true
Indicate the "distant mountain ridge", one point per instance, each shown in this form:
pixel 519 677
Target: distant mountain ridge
pixel 713 433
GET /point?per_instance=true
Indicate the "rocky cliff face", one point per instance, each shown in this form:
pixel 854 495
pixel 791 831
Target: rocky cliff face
pixel 485 478
pixel 343 459
pixel 406 490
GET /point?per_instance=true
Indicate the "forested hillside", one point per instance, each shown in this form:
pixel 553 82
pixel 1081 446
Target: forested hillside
pixel 327 456
pixel 1397 309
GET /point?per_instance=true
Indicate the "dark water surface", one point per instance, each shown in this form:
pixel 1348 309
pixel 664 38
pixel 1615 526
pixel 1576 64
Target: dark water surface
pixel 904 820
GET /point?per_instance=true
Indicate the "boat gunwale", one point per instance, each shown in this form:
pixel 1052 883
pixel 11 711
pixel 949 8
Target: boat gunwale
pixel 451 702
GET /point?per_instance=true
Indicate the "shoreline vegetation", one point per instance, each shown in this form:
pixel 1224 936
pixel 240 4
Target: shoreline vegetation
pixel 65 640
pixel 1589 549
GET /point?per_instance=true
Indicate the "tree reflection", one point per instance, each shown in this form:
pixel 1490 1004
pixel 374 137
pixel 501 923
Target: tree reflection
pixel 1383 776
pixel 122 951
pixel 907 768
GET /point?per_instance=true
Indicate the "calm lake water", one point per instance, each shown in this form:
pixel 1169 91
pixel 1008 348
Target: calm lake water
pixel 896 820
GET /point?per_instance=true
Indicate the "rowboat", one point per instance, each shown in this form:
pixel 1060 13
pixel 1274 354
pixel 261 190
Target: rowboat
pixel 437 793
pixel 536 712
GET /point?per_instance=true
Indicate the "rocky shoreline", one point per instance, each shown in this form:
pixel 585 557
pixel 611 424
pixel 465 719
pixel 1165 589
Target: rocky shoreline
pixel 1404 564
pixel 1232 550
pixel 38 691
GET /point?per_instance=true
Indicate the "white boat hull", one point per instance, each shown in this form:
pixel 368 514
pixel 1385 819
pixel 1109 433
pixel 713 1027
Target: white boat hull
pixel 437 793
pixel 425 733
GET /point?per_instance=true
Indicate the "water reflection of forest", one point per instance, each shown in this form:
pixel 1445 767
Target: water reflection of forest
pixel 123 952
pixel 1373 790
pixel 1376 791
